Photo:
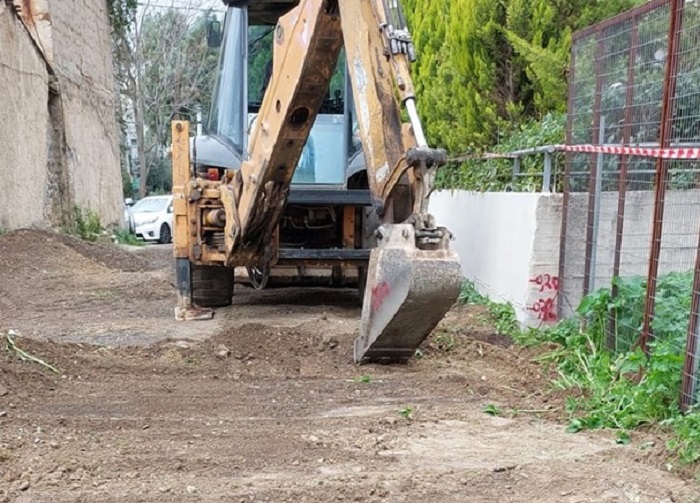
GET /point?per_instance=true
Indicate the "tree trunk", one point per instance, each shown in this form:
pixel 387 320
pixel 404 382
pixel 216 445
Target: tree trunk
pixel 140 142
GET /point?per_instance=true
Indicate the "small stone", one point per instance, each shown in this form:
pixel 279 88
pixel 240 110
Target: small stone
pixel 164 489
pixel 3 413
pixel 24 485
pixel 54 445
pixel 313 438
pixel 182 344
pixel 191 489
pixel 146 426
pixel 3 390
pixel 222 351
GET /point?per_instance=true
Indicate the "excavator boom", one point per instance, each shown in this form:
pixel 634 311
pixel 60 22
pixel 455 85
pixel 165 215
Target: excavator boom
pixel 413 276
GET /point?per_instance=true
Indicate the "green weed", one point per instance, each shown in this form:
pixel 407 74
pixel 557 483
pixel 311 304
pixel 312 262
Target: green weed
pixel 125 237
pixel 621 386
pixel 446 342
pixel 406 412
pixel 492 410
pixel 502 315
pixel 85 224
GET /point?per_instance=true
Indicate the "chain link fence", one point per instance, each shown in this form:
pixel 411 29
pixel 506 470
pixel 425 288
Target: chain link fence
pixel 631 203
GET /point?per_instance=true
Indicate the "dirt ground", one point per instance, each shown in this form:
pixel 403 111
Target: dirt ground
pixel 264 404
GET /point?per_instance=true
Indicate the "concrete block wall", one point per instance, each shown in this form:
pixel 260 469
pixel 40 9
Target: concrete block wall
pixel 60 140
pixel 679 239
pixel 509 243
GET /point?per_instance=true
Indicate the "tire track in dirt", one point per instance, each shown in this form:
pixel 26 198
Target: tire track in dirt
pixel 265 403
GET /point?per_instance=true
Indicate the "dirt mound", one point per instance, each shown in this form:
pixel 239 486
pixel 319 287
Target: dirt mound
pixel 25 252
pixel 51 250
pixel 466 344
pixel 109 255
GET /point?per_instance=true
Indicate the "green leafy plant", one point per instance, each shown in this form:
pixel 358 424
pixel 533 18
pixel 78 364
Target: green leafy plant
pixel 125 237
pixel 406 412
pixel 502 315
pixel 621 387
pixel 446 342
pixel 85 224
pixel 492 410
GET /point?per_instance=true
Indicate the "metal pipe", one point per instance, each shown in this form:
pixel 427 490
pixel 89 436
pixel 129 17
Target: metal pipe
pixel 547 174
pixel 516 168
pixel 594 174
pixel 598 191
pixel 415 122
pixel 662 167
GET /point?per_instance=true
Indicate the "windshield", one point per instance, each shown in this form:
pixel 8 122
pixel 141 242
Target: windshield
pixel 323 159
pixel 227 111
pixel 149 205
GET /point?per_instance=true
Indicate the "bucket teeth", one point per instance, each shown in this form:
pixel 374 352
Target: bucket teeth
pixel 409 291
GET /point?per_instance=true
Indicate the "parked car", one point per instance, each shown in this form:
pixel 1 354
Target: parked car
pixel 151 218
pixel 128 203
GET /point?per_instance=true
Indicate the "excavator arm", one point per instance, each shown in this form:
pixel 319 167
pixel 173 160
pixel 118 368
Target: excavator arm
pixel 413 277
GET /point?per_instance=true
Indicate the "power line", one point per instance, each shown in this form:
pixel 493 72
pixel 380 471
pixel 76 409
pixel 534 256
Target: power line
pixel 181 8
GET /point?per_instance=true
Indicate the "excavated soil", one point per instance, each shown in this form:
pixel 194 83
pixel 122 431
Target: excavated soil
pixel 264 404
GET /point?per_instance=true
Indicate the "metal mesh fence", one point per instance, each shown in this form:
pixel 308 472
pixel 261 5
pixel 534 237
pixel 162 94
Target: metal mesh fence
pixel 631 222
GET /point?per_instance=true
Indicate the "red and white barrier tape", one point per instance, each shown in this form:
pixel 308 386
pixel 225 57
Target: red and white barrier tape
pixel 664 153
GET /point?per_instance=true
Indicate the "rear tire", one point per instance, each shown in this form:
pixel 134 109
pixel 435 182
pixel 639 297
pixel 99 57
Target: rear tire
pixel 212 286
pixel 165 234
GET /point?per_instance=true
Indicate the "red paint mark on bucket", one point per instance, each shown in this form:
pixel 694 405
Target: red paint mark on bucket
pixel 379 293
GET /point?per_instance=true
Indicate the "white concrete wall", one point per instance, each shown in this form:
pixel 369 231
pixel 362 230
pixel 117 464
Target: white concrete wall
pixel 508 246
pixel 509 243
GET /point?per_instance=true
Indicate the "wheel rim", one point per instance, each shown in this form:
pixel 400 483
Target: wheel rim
pixel 258 277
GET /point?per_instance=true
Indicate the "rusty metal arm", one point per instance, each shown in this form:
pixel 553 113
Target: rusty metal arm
pixel 307 44
pixel 380 50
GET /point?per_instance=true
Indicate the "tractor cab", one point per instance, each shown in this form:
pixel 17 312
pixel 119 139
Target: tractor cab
pixel 332 153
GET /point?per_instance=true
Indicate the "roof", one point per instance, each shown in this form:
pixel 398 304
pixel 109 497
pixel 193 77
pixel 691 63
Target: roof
pixel 264 11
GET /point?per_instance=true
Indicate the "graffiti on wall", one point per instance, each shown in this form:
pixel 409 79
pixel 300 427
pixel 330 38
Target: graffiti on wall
pixel 544 307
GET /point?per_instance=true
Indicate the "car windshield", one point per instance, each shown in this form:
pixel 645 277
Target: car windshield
pixel 150 205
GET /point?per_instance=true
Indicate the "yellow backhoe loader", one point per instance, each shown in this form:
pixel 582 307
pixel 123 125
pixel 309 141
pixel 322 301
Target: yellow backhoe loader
pixel 314 169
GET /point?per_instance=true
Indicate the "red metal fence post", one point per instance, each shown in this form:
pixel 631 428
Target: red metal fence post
pixel 661 180
pixel 690 366
pixel 622 185
pixel 566 182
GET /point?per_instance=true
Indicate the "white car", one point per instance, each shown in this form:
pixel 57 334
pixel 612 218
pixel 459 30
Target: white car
pixel 151 219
